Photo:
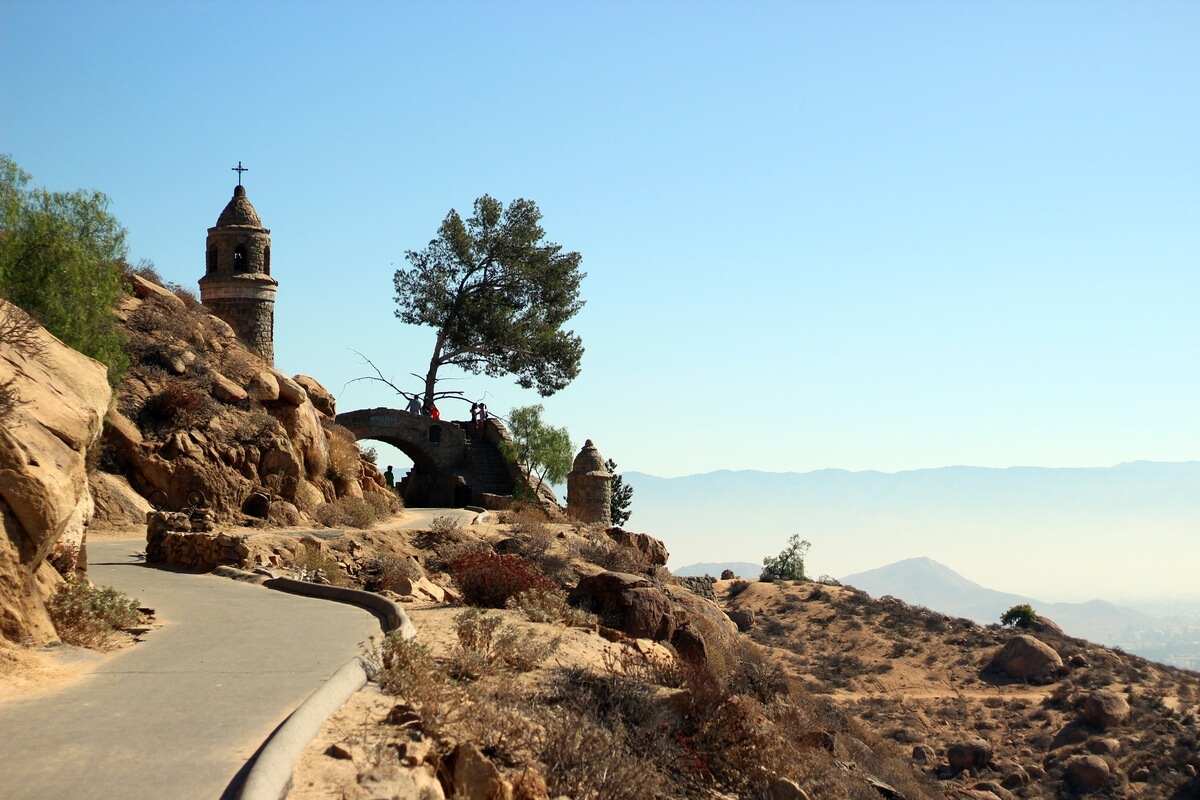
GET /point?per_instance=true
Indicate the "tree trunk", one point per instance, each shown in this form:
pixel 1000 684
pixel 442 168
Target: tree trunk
pixel 431 376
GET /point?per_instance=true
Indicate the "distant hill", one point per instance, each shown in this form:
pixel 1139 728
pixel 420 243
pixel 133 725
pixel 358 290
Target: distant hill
pixel 1062 534
pixel 925 582
pixel 743 569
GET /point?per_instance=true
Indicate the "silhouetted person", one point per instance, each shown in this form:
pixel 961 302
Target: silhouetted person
pixel 414 406
pixel 390 477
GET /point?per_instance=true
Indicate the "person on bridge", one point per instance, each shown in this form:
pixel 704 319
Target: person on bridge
pixel 414 405
pixel 434 413
pixel 390 477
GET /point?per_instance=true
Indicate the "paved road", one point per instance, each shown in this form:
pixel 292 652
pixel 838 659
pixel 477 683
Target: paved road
pixel 177 715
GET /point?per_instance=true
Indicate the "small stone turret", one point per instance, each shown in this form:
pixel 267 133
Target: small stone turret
pixel 589 487
pixel 237 285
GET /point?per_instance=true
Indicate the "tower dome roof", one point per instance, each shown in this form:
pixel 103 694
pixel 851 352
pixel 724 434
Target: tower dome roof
pixel 589 460
pixel 239 211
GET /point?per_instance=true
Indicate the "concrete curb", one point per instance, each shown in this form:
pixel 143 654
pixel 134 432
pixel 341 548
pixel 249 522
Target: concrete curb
pixel 391 615
pixel 270 776
pixel 239 574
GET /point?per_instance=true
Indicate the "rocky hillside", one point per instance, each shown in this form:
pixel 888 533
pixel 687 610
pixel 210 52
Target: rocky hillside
pixel 987 712
pixel 198 420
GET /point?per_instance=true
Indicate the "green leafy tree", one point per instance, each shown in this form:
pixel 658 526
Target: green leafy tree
pixel 1020 616
pixel 538 447
pixel 622 496
pixel 498 294
pixel 789 564
pixel 61 260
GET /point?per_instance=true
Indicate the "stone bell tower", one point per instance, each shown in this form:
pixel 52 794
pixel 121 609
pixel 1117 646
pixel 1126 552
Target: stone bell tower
pixel 237 285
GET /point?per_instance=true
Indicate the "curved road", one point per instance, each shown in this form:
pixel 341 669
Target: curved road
pixel 177 715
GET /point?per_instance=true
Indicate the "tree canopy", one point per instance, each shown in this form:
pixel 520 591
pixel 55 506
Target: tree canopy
pixel 61 260
pixel 539 447
pixel 498 294
pixel 789 564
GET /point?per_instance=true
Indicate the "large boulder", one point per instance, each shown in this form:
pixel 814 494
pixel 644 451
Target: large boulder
pixel 45 501
pixel 652 551
pixel 318 394
pixel 1025 658
pixel 1088 773
pixel 1104 709
pixel 117 504
pixel 309 439
pixel 972 754
pixel 704 634
pixel 630 603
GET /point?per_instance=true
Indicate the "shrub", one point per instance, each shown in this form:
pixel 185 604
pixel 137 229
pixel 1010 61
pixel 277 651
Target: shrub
pixel 369 454
pixel 550 605
pixel 1020 616
pixel 9 398
pixel 789 564
pixel 185 294
pixel 445 525
pixel 655 670
pixel 489 580
pixel 598 549
pixel 347 512
pixel 344 455
pixel 484 641
pixel 318 566
pixel 180 405
pixel 589 761
pixel 737 587
pixel 88 615
pixel 406 668
pixel 383 503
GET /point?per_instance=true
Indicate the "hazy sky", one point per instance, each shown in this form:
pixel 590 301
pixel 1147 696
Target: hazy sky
pixel 861 235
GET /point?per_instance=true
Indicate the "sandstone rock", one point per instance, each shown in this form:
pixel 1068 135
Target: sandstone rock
pixel 530 785
pixel 308 438
pixel 264 387
pixel 290 392
pixel 393 782
pixel 743 618
pixel 704 635
pixel 1088 773
pixel 308 496
pixel 1104 709
pixel 629 603
pixel 45 500
pixel 318 395
pixel 973 754
pixel 784 789
pixel 923 754
pixel 651 550
pixel 147 289
pixel 475 777
pixel 117 504
pixel 339 751
pixel 995 789
pixel 1028 659
pixel 226 390
pixel 1106 746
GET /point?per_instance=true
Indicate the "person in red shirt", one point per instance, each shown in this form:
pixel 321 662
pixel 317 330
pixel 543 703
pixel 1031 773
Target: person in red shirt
pixel 433 412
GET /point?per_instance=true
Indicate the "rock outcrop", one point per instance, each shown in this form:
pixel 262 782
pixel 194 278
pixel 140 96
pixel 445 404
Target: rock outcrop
pixel 1104 709
pixel 45 502
pixel 1025 658
pixel 200 420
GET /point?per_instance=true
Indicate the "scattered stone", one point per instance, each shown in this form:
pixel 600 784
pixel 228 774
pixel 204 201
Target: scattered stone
pixel 973 754
pixel 318 395
pixel 1140 775
pixel 1106 746
pixel 923 754
pixel 743 618
pixel 1088 773
pixel 226 390
pixel 290 392
pixel 629 603
pixel 339 751
pixel 1105 709
pixel 475 777
pixel 651 550
pixel 264 387
pixel 784 789
pixel 390 781
pixel 727 575
pixel 403 716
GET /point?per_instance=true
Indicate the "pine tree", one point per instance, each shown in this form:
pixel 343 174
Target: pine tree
pixel 622 496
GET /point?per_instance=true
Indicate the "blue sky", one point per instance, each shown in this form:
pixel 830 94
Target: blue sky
pixel 859 235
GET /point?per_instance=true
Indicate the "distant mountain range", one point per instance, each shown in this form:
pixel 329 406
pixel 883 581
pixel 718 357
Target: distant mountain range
pixel 925 582
pixel 1062 534
pixel 742 569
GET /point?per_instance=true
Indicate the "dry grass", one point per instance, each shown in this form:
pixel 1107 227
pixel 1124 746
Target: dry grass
pixel 319 566
pixel 349 512
pixel 485 642
pixel 550 605
pixel 344 456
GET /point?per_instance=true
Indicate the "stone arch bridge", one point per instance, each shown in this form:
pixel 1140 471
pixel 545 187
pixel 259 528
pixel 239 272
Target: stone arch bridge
pixel 452 465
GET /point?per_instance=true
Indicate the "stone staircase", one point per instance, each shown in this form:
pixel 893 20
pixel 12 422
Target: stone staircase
pixel 486 468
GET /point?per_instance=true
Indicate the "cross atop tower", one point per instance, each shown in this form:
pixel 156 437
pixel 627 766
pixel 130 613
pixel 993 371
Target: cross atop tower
pixel 239 169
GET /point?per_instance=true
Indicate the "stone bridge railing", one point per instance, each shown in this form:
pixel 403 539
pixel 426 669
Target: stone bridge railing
pixel 433 445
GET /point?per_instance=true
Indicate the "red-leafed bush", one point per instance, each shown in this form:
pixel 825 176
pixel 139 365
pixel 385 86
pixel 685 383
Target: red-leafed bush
pixel 488 579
